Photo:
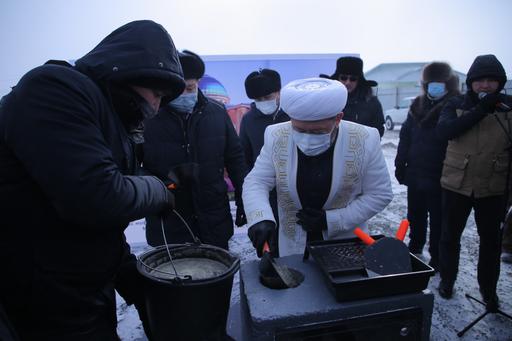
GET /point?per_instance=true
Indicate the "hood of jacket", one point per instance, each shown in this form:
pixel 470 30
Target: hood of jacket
pixel 138 53
pixel 486 66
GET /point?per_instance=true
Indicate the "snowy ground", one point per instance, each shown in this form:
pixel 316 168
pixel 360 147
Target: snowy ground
pixel 449 317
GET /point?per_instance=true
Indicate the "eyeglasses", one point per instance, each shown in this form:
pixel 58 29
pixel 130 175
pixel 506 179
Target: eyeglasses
pixel 344 78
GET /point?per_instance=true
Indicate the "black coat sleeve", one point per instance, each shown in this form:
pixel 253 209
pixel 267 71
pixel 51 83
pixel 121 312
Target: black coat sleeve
pixel 450 126
pixel 246 143
pixel 378 115
pixel 58 134
pixel 234 158
pixel 404 143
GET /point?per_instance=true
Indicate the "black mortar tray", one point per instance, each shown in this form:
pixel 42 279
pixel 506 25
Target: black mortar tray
pixel 342 262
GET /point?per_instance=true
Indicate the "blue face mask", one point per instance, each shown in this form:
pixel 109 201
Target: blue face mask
pixel 436 90
pixel 185 103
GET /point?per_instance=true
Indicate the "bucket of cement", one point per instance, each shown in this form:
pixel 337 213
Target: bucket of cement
pixel 188 298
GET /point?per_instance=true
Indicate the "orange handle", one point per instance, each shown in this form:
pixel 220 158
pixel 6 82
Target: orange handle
pixel 402 230
pixel 363 236
pixel 266 248
pixel 171 186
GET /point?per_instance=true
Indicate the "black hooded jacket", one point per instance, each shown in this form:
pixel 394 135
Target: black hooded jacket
pixel 364 108
pixel 209 140
pixel 67 189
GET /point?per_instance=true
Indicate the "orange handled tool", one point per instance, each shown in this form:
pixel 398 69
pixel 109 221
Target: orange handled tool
pixel 402 230
pixel 363 236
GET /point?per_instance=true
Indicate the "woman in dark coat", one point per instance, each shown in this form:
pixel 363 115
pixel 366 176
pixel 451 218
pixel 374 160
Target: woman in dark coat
pixel 362 106
pixel 420 156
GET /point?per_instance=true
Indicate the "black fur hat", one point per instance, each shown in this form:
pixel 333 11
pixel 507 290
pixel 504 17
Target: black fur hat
pixel 439 72
pixel 261 83
pixel 192 65
pixel 351 66
pixel 486 66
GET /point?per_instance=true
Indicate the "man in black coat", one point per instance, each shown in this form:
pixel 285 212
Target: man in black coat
pixel 262 86
pixel 68 187
pixel 362 106
pixel 475 172
pixel 420 156
pixel 194 138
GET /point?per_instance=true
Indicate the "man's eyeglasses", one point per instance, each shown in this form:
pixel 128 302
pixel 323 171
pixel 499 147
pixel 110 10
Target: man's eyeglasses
pixel 344 78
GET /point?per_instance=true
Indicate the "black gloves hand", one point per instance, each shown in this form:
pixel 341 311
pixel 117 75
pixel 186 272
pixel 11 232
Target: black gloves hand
pixel 400 174
pixel 312 219
pixel 172 183
pixel 260 233
pixel 240 220
pixel 187 174
pixel 488 102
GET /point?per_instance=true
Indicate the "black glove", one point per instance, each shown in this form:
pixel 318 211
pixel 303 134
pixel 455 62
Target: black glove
pixel 260 233
pixel 240 220
pixel 488 102
pixel 187 174
pixel 312 219
pixel 400 174
pixel 172 183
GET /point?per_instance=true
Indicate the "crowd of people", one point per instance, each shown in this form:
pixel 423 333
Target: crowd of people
pixel 126 134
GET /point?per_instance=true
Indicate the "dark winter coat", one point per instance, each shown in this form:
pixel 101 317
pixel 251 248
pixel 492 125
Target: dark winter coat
pixel 421 152
pixel 208 138
pixel 477 159
pixel 364 108
pixel 66 195
pixel 252 129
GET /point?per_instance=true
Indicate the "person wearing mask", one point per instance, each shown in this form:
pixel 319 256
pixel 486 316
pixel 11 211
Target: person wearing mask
pixel 362 106
pixel 264 88
pixel 69 184
pixel 194 138
pixel 330 175
pixel 475 172
pixel 420 156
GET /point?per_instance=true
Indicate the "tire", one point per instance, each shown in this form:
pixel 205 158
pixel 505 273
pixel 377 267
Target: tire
pixel 389 123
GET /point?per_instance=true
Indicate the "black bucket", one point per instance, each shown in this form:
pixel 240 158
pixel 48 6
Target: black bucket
pixel 187 308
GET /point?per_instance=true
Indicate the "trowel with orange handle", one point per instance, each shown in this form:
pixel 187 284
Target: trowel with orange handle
pixel 386 256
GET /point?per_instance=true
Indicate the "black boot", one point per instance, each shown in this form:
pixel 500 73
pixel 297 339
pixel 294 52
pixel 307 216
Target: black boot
pixel 445 289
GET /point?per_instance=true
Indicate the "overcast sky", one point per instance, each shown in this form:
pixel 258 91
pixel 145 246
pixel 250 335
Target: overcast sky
pixel 381 31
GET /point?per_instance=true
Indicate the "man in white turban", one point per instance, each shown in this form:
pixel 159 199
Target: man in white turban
pixel 330 175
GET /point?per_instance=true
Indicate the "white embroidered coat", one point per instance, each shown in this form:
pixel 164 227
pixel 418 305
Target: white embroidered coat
pixel 360 188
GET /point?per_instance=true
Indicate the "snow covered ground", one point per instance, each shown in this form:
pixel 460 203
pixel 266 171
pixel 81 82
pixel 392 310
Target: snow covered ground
pixel 449 316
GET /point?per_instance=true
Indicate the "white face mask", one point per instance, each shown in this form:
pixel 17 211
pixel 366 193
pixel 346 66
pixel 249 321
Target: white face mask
pixel 267 107
pixel 312 144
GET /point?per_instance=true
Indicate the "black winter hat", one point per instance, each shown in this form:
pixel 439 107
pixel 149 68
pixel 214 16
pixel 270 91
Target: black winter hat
pixel 439 72
pixel 486 66
pixel 261 83
pixel 192 65
pixel 351 66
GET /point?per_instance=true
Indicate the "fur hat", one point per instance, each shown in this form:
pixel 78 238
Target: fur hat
pixel 486 66
pixel 351 66
pixel 261 83
pixel 192 65
pixel 439 72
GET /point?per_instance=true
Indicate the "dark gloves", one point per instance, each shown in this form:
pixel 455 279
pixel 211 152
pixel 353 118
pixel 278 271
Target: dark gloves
pixel 260 233
pixel 312 219
pixel 187 174
pixel 488 102
pixel 172 183
pixel 240 220
pixel 400 174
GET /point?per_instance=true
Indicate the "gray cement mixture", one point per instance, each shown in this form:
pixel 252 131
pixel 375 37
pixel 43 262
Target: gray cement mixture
pixel 197 268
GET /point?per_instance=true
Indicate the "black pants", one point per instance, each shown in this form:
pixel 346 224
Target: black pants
pixel 488 216
pixel 423 207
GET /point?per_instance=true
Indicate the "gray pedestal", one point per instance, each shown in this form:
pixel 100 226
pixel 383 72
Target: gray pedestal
pixel 311 310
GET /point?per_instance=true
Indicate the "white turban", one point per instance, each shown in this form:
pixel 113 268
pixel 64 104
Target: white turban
pixel 313 99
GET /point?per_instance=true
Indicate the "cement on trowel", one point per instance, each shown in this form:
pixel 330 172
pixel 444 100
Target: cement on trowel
pixel 197 268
